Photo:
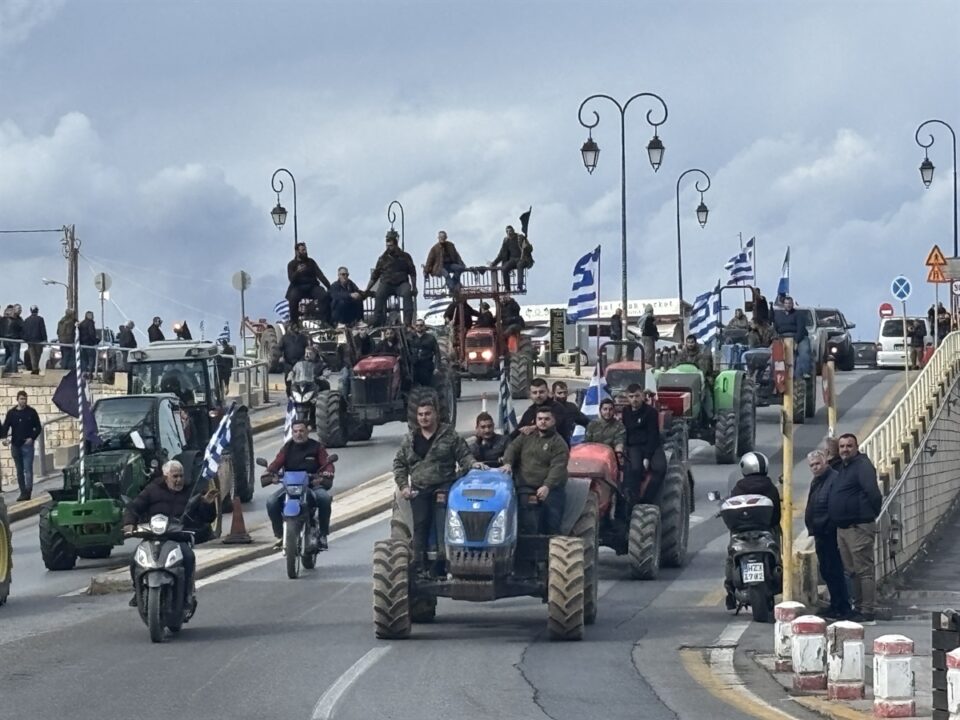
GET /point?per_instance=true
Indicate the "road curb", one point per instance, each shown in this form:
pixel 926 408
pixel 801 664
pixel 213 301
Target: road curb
pixel 29 508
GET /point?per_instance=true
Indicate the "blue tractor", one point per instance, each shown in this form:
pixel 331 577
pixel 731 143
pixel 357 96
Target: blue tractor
pixel 486 545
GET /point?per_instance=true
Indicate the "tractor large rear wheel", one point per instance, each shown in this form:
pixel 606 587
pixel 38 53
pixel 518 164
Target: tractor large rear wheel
pixel 726 437
pixel 586 528
pixel 799 401
pixel 565 589
pixel 6 553
pixel 331 419
pixel 747 431
pixel 810 396
pixel 423 609
pixel 359 431
pixel 269 350
pixel 520 369
pixel 241 451
pixel 643 543
pixel 56 552
pixel 446 396
pixel 674 517
pixel 391 589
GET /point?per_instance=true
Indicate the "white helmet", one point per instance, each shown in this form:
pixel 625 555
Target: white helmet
pixel 753 463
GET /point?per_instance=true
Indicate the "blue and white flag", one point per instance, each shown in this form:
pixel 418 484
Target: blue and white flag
pixel 225 333
pixel 282 309
pixel 749 247
pixel 585 294
pixel 705 316
pixel 435 310
pixel 783 287
pixel 218 443
pixel 506 417
pixel 741 269
pixel 288 421
pixel 596 392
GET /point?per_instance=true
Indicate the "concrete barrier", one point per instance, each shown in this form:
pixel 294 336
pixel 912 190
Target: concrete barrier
pixel 893 686
pixel 809 653
pixel 784 614
pixel 845 667
pixel 953 684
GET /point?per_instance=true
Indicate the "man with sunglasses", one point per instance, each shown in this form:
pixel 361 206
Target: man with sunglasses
pixel 346 299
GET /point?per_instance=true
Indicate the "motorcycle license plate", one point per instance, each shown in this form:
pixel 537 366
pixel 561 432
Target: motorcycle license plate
pixel 753 572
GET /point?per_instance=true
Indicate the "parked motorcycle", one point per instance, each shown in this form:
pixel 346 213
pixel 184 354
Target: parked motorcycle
pixel 159 577
pixel 301 540
pixel 305 381
pixel 753 553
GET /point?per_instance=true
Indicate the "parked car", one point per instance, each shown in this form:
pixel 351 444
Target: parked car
pixel 865 354
pixel 890 350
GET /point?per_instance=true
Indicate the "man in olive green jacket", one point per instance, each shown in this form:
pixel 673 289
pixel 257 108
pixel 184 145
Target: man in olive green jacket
pixel 538 462
pixel 430 458
pixel 607 429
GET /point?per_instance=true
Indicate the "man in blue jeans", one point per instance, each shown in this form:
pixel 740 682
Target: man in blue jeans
pixel 23 425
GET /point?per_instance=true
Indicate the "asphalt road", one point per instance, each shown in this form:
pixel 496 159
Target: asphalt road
pixel 264 646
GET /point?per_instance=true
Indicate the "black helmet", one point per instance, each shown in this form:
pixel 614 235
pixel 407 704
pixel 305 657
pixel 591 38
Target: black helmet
pixel 753 463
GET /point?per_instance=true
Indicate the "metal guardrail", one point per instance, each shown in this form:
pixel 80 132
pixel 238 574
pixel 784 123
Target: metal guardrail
pixel 884 446
pixel 44 467
pixel 253 378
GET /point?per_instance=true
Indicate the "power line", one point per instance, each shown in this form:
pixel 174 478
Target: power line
pixel 23 232
pixel 177 275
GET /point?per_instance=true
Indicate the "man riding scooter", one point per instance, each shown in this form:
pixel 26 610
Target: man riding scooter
pixel 305 454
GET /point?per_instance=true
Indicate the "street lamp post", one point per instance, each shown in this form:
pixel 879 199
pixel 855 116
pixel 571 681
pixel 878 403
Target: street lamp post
pixel 48 281
pixel 590 152
pixel 926 170
pixel 392 217
pixel 702 213
pixel 279 213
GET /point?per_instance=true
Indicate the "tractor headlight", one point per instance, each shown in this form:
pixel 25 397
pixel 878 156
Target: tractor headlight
pixel 472 355
pixel 158 524
pixel 297 396
pixel 143 557
pixel 175 557
pixel 498 529
pixel 455 532
pixel 487 355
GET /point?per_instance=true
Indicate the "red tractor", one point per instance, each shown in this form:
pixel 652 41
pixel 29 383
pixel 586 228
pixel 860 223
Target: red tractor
pixel 477 352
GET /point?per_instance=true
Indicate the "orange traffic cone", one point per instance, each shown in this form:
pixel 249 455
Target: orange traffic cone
pixel 238 528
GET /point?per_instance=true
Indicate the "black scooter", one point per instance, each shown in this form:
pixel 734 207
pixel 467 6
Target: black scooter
pixel 159 577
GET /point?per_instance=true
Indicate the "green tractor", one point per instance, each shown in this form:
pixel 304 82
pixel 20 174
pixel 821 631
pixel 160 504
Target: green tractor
pixel 138 434
pixel 6 553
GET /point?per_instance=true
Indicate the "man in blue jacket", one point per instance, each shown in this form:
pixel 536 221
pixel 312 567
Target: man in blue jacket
pixel 853 507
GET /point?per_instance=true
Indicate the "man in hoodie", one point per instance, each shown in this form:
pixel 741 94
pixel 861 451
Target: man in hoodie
pixel 824 534
pixel 35 333
pixel 854 505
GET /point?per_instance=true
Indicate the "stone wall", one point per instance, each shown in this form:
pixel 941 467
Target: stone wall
pixel 62 433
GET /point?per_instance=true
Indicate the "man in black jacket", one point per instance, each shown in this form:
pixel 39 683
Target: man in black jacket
pixel 788 323
pixel 573 413
pixel 154 333
pixel 854 505
pixel 397 276
pixel 346 299
pixel 509 256
pixel 87 330
pixel 540 398
pixel 12 329
pixel 307 282
pixel 293 347
pixel 169 497
pixel 488 446
pixel 35 333
pixel 644 450
pixel 824 534
pixel 23 425
pixel 126 340
pixel 424 353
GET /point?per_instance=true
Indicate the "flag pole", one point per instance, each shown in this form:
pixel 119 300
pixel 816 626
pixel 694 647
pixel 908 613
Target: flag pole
pixel 79 373
pixel 626 319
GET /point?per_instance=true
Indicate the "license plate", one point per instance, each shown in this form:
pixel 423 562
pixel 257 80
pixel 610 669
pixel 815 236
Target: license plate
pixel 753 572
pixel 898 346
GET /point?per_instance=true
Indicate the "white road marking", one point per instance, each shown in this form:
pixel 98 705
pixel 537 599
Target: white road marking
pixel 328 701
pixel 696 519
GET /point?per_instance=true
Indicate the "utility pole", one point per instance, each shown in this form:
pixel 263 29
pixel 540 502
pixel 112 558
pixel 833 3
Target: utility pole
pixel 786 428
pixel 71 251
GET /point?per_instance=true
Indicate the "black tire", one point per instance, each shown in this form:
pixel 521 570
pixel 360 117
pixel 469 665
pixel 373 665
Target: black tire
pixel 565 589
pixel 155 614
pixel 586 528
pixel 391 589
pixel 799 401
pixel 309 560
pixel 674 517
pixel 331 419
pixel 810 397
pixel 849 361
pixel 457 384
pixel 6 553
pixel 726 437
pixel 446 397
pixel 241 451
pixel 360 431
pixel 520 369
pixel 423 609
pixel 761 603
pixel 56 552
pixel 95 553
pixel 292 532
pixel 643 542
pixel 269 350
pixel 747 431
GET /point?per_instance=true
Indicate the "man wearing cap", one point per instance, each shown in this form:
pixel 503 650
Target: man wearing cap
pixel 35 333
pixel 397 277
pixel 485 319
pixel 154 333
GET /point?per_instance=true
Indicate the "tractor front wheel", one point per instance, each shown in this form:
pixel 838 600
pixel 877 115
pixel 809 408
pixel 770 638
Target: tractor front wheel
pixel 565 589
pixel 57 553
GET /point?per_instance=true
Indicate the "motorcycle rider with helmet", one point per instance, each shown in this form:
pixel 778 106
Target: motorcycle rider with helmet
pixel 754 481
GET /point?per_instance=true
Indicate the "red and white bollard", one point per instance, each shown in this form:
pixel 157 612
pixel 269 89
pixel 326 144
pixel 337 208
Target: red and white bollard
pixel 784 614
pixel 845 661
pixel 809 653
pixel 953 684
pixel 893 689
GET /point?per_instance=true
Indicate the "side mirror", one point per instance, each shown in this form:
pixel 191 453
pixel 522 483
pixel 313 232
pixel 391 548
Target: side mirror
pixel 137 440
pixel 713 496
pixel 851 326
pixel 262 462
pixel 333 458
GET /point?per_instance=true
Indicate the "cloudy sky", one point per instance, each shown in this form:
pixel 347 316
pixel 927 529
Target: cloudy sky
pixel 154 127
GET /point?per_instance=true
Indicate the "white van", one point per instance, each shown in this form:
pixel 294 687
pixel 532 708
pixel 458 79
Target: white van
pixel 890 350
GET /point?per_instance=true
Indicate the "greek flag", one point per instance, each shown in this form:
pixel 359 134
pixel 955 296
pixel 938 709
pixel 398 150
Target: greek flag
pixel 225 333
pixel 288 422
pixel 282 309
pixel 783 287
pixel 218 443
pixel 749 247
pixel 435 310
pixel 741 268
pixel 596 392
pixel 506 416
pixel 705 316
pixel 585 294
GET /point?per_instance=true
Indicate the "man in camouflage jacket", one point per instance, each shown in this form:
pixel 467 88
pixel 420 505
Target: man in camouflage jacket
pixel 607 429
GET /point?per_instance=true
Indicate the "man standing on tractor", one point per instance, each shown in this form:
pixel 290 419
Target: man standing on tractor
pixel 488 446
pixel 540 399
pixel 538 463
pixel 398 278
pixel 154 333
pixel 616 332
pixel 444 261
pixel 346 299
pixel 606 429
pixel 509 257
pixel 649 334
pixel 573 413
pixel 303 453
pixel 788 323
pixel 644 447
pixel 424 353
pixel 430 458
pixel 694 354
pixel 306 279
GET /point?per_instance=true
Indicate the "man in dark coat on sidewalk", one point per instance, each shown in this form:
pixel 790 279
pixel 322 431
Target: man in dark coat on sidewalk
pixel 88 343
pixel 824 534
pixel 35 333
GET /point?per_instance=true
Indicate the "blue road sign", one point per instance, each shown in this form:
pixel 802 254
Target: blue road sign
pixel 900 287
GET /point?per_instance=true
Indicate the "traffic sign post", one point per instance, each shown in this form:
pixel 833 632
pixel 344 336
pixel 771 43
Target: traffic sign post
pixel 241 281
pixel 886 310
pixel 936 262
pixel 901 288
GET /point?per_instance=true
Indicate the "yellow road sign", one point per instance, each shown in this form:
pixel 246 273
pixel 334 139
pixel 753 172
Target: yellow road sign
pixel 936 275
pixel 935 259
